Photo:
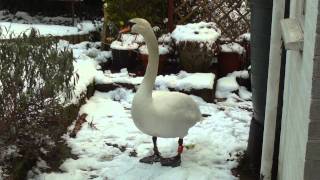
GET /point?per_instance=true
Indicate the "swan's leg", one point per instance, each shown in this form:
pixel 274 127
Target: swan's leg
pixel 156 154
pixel 180 147
pixel 155 147
pixel 176 160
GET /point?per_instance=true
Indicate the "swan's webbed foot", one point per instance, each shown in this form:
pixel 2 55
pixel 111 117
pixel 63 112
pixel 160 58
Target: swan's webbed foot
pixel 173 161
pixel 156 154
pixel 151 159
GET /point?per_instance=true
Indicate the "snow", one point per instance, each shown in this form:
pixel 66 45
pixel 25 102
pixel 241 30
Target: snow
pixel 22 22
pixel 42 164
pixel 186 81
pixel 23 15
pixel 87 26
pixel 86 65
pixel 232 47
pixel 16 29
pixel 244 93
pixel 241 74
pixel 132 38
pixel 133 41
pixel 181 81
pixel 86 68
pixel 163 49
pixel 210 153
pixel 165 38
pixel 103 56
pixel 24 18
pixel 127 42
pixel 245 36
pixel 198 32
pixel 123 45
pixel 226 86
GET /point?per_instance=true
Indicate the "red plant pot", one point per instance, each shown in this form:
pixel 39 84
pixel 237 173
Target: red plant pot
pixel 162 60
pixel 229 62
pixel 123 59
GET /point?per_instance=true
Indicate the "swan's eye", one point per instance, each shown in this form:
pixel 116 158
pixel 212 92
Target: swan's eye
pixel 130 24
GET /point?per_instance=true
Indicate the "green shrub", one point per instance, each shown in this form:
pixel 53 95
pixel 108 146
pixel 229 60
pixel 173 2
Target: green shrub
pixel 120 11
pixel 33 73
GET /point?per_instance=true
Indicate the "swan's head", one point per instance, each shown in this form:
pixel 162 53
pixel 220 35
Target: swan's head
pixel 137 25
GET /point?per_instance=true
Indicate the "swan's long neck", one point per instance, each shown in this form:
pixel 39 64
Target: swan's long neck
pixel 149 78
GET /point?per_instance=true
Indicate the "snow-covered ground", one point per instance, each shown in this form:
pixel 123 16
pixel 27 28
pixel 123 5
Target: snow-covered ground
pixel 25 18
pixel 105 150
pixel 10 29
pixel 226 86
pixel 109 145
pixel 21 22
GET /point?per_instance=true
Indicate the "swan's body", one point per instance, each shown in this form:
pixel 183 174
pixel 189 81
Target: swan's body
pixel 166 114
pixel 160 113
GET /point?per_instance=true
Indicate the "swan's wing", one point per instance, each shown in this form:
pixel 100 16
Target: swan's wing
pixel 177 104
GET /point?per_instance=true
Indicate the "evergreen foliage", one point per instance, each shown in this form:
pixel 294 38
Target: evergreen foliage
pixel 33 75
pixel 120 11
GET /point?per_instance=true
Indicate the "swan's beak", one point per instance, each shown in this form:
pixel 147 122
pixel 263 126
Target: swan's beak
pixel 125 29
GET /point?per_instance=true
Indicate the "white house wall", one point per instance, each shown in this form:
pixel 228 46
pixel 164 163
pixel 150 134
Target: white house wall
pixel 297 98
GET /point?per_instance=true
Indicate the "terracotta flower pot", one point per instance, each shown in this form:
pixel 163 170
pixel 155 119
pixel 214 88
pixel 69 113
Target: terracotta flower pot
pixel 124 54
pixel 229 62
pixel 196 44
pixel 194 57
pixel 164 51
pixel 163 58
pixel 123 59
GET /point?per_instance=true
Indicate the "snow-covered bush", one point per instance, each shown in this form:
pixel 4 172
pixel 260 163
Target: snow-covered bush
pixel 33 71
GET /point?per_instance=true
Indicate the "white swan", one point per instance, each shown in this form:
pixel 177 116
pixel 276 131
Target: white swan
pixel 160 113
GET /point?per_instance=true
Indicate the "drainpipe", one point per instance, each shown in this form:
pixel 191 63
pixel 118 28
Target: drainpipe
pixel 170 24
pixel 261 17
pixel 272 91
